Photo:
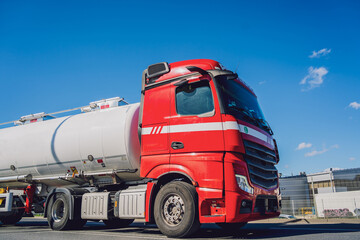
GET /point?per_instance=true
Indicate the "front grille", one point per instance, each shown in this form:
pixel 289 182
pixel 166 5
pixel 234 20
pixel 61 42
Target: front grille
pixel 261 164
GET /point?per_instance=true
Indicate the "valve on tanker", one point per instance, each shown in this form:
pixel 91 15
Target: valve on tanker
pixel 103 104
pixel 32 118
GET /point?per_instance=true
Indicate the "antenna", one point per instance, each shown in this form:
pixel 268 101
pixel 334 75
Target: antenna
pixel 237 67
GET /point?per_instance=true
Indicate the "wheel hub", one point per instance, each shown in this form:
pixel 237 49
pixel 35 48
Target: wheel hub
pixel 58 210
pixel 173 209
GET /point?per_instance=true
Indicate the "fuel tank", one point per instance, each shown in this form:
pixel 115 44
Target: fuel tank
pixel 97 141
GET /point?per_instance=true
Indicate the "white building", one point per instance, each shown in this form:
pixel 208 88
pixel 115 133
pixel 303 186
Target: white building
pixel 341 180
pixel 332 193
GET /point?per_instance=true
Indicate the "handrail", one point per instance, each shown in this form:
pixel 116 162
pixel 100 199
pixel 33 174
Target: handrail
pixel 83 109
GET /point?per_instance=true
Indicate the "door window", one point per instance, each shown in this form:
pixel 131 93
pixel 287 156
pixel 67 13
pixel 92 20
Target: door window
pixel 194 99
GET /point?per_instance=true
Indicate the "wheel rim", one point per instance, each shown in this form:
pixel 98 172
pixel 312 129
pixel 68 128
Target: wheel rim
pixel 173 209
pixel 58 210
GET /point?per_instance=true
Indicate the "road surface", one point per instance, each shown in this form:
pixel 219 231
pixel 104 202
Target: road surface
pixel 37 228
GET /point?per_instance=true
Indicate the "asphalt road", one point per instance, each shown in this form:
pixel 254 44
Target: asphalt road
pixel 37 228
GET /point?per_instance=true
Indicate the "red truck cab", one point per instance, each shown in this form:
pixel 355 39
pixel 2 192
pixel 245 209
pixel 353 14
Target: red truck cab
pixel 200 123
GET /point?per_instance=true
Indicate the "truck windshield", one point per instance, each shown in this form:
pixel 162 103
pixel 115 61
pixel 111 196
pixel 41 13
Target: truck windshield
pixel 241 103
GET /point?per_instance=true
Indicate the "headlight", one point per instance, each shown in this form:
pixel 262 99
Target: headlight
pixel 243 184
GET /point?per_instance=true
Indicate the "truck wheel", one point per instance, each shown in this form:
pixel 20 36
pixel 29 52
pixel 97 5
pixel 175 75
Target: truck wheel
pixel 175 210
pixel 58 213
pixel 12 219
pixel 118 223
pixel 15 216
pixel 232 227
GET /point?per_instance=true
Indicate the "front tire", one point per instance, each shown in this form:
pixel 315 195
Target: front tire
pixel 176 211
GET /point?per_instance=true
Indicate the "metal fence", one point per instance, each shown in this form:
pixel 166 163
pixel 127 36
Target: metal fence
pixel 333 194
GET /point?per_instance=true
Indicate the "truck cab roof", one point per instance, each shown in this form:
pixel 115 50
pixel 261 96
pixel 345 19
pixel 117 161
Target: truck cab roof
pixel 179 69
pixel 169 72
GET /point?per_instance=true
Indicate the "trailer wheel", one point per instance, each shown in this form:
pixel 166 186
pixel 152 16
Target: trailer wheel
pixel 232 227
pixel 118 223
pixel 58 213
pixel 15 216
pixel 12 219
pixel 175 210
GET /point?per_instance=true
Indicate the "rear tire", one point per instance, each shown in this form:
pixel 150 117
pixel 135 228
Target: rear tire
pixel 176 211
pixel 58 213
pixel 118 223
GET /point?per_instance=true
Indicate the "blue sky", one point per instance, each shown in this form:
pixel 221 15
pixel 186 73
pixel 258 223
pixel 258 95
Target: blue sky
pixel 56 55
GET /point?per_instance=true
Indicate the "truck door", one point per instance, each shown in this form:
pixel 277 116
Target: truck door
pixel 196 136
pixel 155 122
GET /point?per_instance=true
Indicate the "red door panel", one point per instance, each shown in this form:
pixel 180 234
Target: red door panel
pixel 156 111
pixel 197 133
pixel 202 139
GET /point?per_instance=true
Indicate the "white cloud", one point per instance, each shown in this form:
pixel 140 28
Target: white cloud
pixel 315 152
pixel 335 146
pixel 320 53
pixel 314 78
pixel 355 105
pixel 303 145
pixel 262 82
pixel 352 159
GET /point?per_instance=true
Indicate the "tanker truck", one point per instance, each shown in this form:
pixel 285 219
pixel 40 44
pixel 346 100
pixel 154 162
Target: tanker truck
pixel 196 149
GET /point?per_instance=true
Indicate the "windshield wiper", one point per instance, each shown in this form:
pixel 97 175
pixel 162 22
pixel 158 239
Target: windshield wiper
pixel 247 114
pixel 265 124
pixel 262 123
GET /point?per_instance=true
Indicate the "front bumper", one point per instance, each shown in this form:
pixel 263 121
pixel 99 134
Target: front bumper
pixel 237 207
pixel 233 204
pixel 242 206
pixel 244 209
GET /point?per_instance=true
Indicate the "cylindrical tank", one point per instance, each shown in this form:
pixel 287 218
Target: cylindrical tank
pixel 61 146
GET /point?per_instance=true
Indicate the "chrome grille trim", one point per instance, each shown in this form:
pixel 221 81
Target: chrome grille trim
pixel 261 164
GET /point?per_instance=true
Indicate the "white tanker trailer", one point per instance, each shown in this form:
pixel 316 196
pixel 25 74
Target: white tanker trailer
pixel 70 157
pixel 84 145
